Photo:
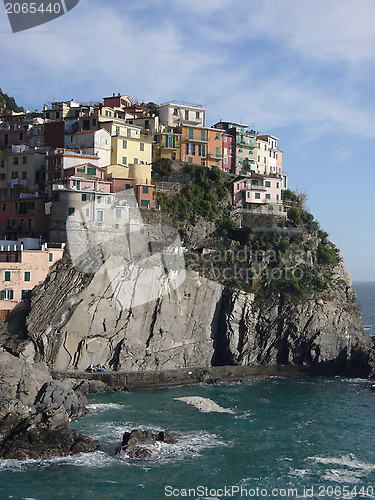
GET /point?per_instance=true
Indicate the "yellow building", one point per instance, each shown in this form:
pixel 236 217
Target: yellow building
pixel 168 145
pixel 129 145
pixel 141 173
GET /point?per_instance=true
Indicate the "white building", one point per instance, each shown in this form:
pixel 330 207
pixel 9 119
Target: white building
pixel 174 113
pixel 91 142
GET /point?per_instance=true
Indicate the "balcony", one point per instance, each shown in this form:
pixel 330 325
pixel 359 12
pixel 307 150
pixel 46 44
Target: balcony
pixel 253 187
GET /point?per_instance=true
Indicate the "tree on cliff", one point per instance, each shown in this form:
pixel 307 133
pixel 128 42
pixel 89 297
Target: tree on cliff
pixel 8 104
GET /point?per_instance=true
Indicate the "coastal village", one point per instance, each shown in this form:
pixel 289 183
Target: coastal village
pixel 75 157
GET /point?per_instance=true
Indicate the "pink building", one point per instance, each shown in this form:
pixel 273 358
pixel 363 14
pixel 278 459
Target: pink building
pixel 228 153
pixel 21 270
pixel 260 193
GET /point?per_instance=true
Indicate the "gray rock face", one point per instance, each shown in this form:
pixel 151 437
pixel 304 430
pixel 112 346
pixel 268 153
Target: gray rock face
pixel 198 324
pixel 30 433
pixel 35 412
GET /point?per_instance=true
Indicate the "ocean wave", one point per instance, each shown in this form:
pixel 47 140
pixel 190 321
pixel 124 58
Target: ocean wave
pixel 94 459
pixel 342 476
pixel 204 405
pixel 348 461
pixel 103 407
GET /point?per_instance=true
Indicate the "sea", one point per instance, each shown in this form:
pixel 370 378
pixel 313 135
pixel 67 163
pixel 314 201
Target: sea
pixel 265 438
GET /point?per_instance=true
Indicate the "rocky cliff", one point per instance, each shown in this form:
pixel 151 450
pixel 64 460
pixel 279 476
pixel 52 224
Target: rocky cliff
pixel 75 322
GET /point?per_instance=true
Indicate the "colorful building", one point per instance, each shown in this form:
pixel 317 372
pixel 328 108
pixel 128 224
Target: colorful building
pixel 201 145
pixel 23 265
pixel 261 193
pixel 129 145
pixel 167 145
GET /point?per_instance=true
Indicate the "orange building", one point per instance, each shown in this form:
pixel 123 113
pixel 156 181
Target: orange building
pixel 202 146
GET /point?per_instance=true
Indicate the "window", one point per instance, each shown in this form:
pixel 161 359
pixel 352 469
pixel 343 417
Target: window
pixel 4 207
pixel 203 135
pixel 201 150
pixel 118 213
pixel 15 160
pixel 175 111
pixel 145 203
pixel 57 115
pixel 259 158
pixel 191 133
pixel 70 211
pixel 265 160
pixel 47 115
pixel 277 197
pixel 91 171
pixel 2 177
pixel 265 147
pixel 238 186
pixel 24 160
pixel 16 205
pixel 94 122
pixel 136 161
pixel 217 151
pixel 81 169
pixel 87 212
pixel 117 130
pixel 190 159
pixel 255 182
pixel 217 135
pixel 99 215
pixel 225 160
pixel 85 197
pixel 145 190
pixel 127 186
pixel 2 164
pixel 268 184
pixel 24 175
pixel 7 276
pixel 27 276
pixel 141 146
pixel 268 196
pixel 186 114
pixel 257 196
pixel 203 162
pixel 128 132
pixel 25 294
pixel 7 294
pixel 124 144
pixel 170 141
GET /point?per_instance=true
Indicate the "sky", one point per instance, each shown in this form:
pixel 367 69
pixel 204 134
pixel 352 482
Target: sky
pixel 302 70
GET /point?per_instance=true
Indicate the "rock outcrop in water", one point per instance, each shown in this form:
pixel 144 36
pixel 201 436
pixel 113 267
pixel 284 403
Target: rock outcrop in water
pixel 75 322
pixel 141 444
pixel 35 412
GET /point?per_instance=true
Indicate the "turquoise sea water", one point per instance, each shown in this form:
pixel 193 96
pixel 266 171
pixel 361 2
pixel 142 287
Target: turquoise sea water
pixel 296 434
pixel 366 297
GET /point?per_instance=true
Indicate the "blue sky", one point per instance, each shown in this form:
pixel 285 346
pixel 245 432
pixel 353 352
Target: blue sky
pixel 301 70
